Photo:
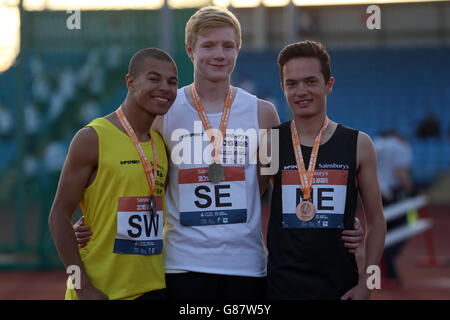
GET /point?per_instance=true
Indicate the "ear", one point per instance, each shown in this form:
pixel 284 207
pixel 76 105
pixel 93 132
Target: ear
pixel 129 79
pixel 189 52
pixel 282 86
pixel 330 85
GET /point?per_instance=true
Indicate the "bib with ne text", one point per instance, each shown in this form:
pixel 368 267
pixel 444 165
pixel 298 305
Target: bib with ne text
pixel 329 191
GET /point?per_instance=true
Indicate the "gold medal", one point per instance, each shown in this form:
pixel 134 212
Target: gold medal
pixel 215 172
pixel 305 211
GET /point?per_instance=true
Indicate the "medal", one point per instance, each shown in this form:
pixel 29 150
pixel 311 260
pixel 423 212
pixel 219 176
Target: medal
pixel 215 169
pixel 150 175
pixel 305 210
pixel 215 172
pixel 152 205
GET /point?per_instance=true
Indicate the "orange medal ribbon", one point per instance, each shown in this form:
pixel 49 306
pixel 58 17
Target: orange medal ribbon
pixel 207 125
pixel 151 176
pixel 306 177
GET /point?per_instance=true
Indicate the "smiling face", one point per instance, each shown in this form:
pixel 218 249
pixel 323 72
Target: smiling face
pixel 214 54
pixel 154 87
pixel 304 87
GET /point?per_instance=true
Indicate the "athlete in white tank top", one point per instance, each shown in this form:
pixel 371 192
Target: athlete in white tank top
pixel 213 227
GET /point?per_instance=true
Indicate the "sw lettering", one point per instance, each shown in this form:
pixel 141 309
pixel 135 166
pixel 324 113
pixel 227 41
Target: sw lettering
pixel 135 221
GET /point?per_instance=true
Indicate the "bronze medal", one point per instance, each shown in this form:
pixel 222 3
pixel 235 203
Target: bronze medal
pixel 305 211
pixel 215 172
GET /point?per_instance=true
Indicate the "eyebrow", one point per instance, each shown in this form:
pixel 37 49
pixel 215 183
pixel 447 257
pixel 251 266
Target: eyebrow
pixel 306 78
pixel 214 41
pixel 154 73
pixel 159 75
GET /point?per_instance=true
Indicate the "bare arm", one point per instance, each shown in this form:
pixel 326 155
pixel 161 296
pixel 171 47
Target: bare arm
pixel 267 119
pixel 78 171
pixel 369 190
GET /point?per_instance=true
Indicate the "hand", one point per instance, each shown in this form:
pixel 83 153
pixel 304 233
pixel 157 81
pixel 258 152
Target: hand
pixel 82 232
pixel 359 292
pixel 353 238
pixel 91 293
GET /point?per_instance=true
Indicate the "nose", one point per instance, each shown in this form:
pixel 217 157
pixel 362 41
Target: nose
pixel 219 53
pixel 164 86
pixel 302 89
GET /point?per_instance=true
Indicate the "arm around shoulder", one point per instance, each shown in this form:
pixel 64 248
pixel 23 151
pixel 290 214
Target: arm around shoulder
pixel 267 119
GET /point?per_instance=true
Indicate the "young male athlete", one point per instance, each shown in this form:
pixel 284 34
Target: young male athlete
pixel 213 244
pixel 322 168
pixel 116 170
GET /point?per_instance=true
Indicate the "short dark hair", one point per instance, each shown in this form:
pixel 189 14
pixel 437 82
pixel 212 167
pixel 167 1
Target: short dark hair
pixel 306 49
pixel 138 57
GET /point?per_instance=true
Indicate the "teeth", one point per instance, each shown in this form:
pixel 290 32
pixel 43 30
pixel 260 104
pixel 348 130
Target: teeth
pixel 162 99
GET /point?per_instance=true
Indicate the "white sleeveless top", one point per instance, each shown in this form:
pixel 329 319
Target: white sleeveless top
pixel 213 227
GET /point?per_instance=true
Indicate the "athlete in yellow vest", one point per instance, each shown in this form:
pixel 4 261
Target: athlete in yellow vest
pixel 116 170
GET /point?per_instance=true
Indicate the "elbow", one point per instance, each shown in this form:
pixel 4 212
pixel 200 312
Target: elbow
pixel 52 221
pixel 377 223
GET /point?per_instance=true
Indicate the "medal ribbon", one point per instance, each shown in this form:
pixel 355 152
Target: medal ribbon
pixel 306 177
pixel 151 176
pixel 207 125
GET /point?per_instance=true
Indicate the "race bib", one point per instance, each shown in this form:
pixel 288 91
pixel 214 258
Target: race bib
pixel 329 191
pixel 138 231
pixel 205 203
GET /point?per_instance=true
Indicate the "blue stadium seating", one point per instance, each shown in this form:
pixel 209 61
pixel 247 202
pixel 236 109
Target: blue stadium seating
pixel 377 90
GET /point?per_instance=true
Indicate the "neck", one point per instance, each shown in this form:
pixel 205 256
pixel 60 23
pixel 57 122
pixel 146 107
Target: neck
pixel 308 128
pixel 139 119
pixel 212 94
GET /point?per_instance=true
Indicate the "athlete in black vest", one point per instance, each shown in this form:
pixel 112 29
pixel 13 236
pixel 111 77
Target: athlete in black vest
pixel 307 257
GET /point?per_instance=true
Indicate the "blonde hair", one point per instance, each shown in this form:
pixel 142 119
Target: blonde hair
pixel 208 18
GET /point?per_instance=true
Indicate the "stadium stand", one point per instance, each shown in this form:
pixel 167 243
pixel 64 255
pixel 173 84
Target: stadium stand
pixel 375 90
pixel 378 90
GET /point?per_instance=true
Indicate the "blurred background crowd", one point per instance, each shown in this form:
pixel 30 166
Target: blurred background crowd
pixel 391 83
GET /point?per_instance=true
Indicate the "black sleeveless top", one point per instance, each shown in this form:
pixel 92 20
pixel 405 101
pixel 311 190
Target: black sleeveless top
pixel 310 262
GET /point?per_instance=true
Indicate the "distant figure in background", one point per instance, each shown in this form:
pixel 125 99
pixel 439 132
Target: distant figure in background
pixel 429 127
pixel 394 162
